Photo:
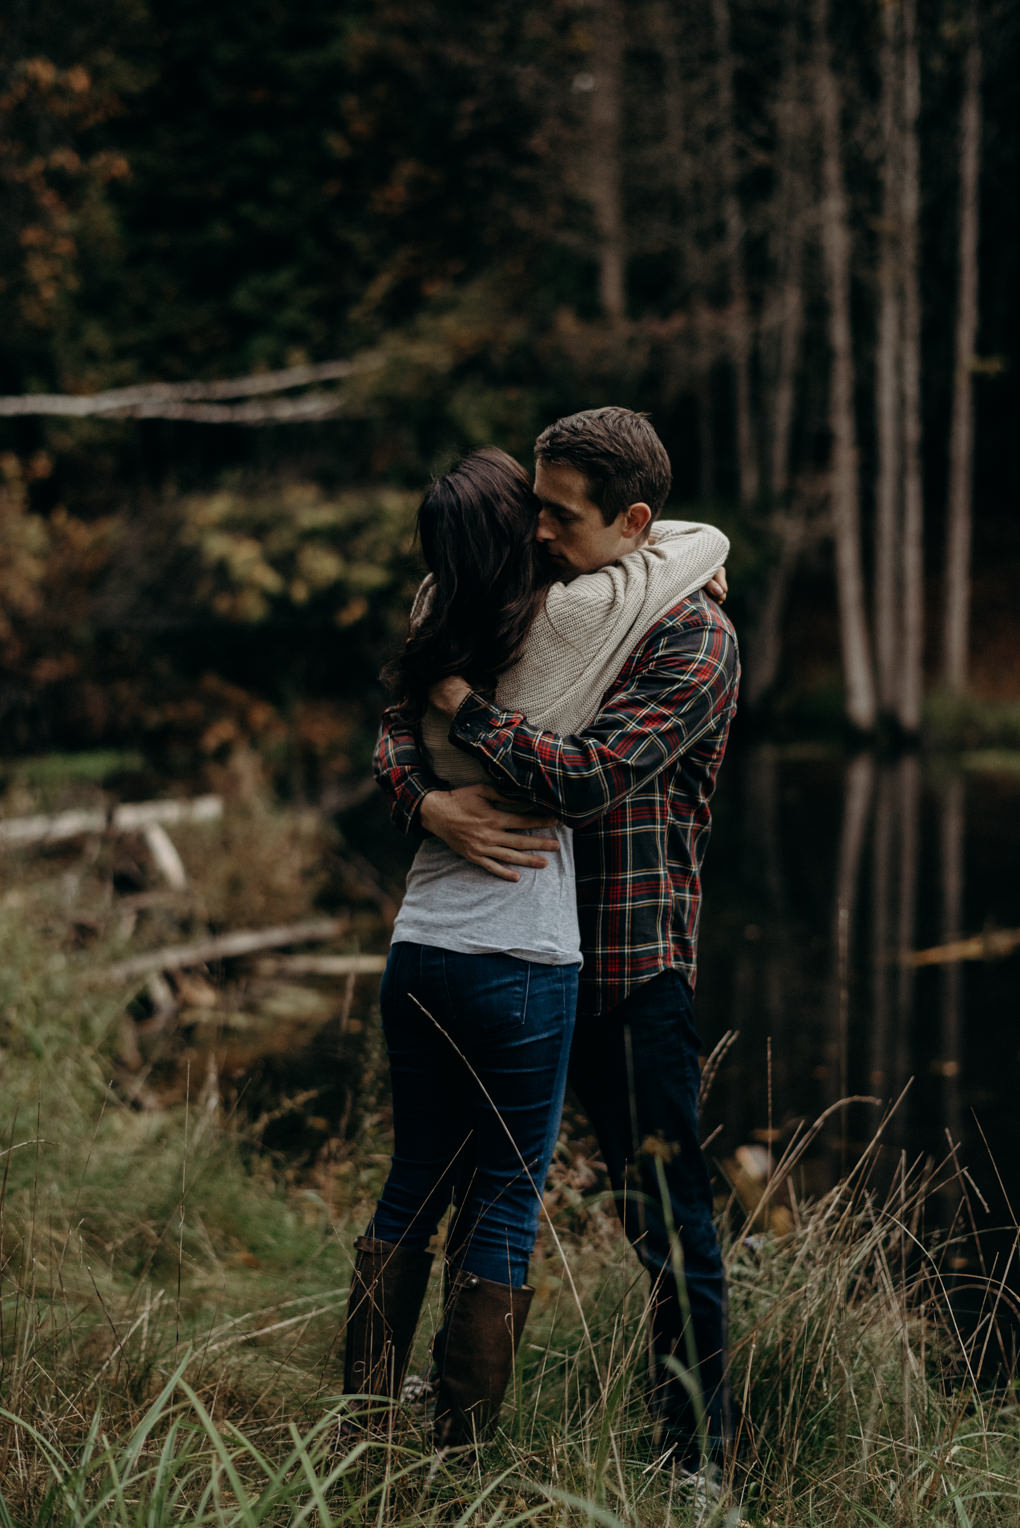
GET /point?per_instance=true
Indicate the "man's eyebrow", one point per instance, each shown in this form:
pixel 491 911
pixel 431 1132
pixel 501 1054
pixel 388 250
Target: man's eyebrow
pixel 562 509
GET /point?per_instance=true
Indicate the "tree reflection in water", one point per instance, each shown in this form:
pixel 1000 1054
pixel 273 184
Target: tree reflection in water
pixel 824 875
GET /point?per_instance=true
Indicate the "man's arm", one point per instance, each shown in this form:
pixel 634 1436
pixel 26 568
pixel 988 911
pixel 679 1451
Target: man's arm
pixel 400 772
pixel 685 679
pixel 472 820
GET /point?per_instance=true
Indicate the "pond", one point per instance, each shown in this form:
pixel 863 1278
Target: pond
pixel 858 942
pixel 825 875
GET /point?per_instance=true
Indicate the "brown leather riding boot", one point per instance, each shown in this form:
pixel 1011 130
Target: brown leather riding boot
pixel 387 1290
pixel 481 1329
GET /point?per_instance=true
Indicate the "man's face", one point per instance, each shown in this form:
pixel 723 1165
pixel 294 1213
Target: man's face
pixel 571 530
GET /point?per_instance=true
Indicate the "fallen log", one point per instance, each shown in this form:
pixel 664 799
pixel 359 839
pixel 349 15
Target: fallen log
pixel 223 947
pixel 165 857
pixel 129 817
pixel 321 965
pixel 992 945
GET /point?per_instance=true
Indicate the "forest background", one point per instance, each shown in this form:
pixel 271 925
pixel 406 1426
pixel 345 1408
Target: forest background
pixel 787 230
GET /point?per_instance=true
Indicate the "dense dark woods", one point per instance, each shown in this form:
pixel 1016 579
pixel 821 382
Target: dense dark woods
pixel 787 230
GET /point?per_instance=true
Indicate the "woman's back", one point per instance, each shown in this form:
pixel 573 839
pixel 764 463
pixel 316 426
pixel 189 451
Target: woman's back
pixel 575 648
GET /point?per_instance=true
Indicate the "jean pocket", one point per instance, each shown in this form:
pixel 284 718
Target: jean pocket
pixel 491 994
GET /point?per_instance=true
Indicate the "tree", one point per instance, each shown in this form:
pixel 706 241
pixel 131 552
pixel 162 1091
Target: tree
pixel 961 439
pixel 908 709
pixel 861 709
pixel 888 418
pixel 604 157
pixel 739 328
pixel 782 325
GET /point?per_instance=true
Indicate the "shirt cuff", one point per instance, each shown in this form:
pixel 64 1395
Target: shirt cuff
pixel 413 790
pixel 480 725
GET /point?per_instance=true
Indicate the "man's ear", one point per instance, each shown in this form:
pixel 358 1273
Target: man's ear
pixel 636 519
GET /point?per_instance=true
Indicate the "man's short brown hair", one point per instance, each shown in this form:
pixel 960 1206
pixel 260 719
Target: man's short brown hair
pixel 618 454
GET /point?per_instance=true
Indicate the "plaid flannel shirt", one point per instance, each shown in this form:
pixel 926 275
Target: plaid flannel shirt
pixel 635 785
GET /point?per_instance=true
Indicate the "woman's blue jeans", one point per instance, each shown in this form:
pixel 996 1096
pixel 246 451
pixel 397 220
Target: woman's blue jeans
pixel 478 1048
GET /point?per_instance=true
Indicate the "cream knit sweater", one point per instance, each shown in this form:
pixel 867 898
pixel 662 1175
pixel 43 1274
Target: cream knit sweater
pixel 583 636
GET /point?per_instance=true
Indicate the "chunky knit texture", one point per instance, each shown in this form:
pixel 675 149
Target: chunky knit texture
pixel 581 639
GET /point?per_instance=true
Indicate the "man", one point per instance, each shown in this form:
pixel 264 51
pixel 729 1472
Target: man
pixel 635 785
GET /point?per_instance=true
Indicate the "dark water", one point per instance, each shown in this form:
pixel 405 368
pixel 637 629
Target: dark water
pixel 822 873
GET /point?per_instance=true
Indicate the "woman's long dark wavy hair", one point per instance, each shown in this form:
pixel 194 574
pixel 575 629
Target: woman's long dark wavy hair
pixel 477 531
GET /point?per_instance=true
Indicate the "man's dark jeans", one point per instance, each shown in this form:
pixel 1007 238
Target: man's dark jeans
pixel 636 1073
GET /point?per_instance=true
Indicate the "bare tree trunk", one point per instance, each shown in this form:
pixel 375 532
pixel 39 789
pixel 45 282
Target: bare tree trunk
pixel 706 433
pixel 765 650
pixel 887 391
pixel 786 520
pixel 733 217
pixel 605 173
pixel 912 676
pixel 792 194
pixel 791 329
pixel 836 244
pixel 961 439
pixel 691 251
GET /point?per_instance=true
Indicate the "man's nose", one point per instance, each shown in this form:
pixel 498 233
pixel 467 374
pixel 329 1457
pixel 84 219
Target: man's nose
pixel 544 530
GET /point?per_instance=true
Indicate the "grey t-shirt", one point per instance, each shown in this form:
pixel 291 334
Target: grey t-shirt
pixel 457 906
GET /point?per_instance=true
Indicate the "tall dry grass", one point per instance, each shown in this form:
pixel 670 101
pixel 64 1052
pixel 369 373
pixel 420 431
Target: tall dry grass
pixel 170 1298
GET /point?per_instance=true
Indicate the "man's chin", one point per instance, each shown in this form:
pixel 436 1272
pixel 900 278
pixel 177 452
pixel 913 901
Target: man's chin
pixel 556 569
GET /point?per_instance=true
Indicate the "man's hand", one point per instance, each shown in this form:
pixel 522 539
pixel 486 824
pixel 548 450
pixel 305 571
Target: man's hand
pixel 448 694
pixel 477 825
pixel 717 587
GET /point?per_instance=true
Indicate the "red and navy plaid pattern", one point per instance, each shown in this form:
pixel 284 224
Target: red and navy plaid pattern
pixel 635 785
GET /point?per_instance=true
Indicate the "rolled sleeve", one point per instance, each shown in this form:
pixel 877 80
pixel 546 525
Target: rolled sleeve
pixel 684 679
pixel 399 772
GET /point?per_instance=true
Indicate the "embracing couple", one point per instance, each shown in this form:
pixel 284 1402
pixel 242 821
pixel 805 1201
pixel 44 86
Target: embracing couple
pixel 562 707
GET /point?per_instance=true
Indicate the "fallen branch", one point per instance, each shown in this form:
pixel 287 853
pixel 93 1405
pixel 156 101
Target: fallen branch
pixel 321 965
pixel 164 853
pixel 223 947
pixel 116 398
pixel 129 817
pixel 191 400
pixel 992 945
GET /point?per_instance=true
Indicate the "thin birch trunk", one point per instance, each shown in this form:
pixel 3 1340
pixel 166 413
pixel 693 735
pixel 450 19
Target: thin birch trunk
pixel 789 223
pixel 836 245
pixel 691 253
pixel 605 166
pixel 733 218
pixel 912 677
pixel 887 390
pixel 764 651
pixel 961 439
pixel 706 433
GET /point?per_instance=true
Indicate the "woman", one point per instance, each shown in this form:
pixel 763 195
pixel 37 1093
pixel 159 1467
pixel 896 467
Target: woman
pixel 479 992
